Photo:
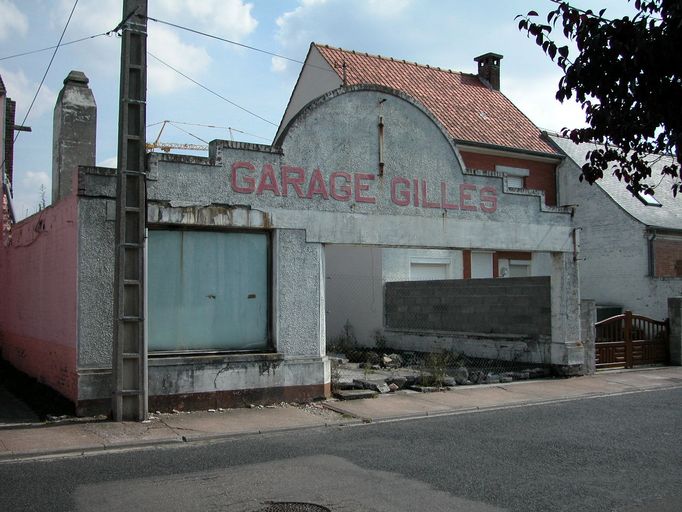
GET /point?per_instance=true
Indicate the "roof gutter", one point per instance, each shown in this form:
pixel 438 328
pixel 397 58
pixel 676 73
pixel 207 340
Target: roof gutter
pixel 488 148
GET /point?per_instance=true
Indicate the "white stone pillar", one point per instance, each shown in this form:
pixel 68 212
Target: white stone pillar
pixel 566 354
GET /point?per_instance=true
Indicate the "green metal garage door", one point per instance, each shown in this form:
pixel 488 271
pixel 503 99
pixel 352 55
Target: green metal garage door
pixel 207 291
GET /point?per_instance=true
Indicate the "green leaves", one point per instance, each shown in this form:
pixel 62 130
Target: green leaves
pixel 627 76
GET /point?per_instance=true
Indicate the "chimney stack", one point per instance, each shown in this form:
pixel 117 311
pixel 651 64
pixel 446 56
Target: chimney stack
pixel 74 132
pixel 489 68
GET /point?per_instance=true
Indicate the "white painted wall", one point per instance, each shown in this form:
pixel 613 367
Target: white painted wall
pixel 354 290
pixel 613 255
pixel 397 262
pixel 316 79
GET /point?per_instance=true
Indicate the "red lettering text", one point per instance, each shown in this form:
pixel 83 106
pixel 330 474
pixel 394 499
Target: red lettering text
pixel 360 187
pixel 249 181
pixel 488 196
pixel 317 186
pixel 400 197
pixel 344 189
pixel 444 197
pixel 296 181
pixel 465 190
pixel 425 198
pixel 267 181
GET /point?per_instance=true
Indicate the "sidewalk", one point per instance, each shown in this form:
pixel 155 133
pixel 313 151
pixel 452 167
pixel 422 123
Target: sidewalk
pixel 163 429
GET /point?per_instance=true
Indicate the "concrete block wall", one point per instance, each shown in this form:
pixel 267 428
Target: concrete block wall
pixel 497 306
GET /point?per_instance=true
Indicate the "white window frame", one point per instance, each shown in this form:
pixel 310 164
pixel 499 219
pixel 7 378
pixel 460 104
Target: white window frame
pixel 513 176
pixel 431 261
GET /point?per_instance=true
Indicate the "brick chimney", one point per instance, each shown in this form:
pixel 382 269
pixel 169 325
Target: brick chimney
pixel 74 132
pixel 489 68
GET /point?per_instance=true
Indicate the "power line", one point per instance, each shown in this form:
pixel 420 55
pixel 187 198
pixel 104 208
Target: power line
pixel 31 52
pixel 210 90
pixel 242 45
pixel 49 65
pixel 229 128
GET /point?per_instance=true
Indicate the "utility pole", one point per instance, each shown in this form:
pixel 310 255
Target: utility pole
pixel 130 348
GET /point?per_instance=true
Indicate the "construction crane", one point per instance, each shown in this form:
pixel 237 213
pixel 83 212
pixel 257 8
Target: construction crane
pixel 167 146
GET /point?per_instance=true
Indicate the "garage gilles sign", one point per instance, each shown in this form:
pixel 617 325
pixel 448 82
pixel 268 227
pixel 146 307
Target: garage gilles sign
pixel 342 186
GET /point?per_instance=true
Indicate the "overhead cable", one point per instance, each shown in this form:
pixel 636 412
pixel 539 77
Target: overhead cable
pixel 242 45
pixel 210 90
pixel 31 52
pixel 229 128
pixel 49 65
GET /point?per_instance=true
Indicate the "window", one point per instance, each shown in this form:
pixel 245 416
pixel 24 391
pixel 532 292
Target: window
pixel 519 268
pixel 514 177
pixel 207 291
pixel 648 199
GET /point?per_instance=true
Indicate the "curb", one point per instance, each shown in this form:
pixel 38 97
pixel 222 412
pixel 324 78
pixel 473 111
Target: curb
pixel 470 410
pixel 158 443
pixel 356 420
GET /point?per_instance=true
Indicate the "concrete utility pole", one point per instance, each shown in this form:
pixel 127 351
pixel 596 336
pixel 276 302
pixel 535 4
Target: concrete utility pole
pixel 130 347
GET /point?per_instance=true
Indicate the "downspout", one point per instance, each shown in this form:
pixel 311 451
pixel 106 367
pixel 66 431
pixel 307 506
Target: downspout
pixel 651 236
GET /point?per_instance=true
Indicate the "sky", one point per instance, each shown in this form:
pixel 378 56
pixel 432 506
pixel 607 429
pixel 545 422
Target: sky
pixel 444 33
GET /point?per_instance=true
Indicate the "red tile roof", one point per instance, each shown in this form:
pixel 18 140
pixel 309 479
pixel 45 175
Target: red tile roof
pixel 467 108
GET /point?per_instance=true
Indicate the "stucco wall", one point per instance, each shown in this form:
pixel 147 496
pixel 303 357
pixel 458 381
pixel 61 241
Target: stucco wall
pixel 38 312
pixel 614 260
pixel 338 196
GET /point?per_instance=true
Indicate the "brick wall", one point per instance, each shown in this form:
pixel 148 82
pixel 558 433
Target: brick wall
pixel 542 174
pixel 668 258
pixel 497 306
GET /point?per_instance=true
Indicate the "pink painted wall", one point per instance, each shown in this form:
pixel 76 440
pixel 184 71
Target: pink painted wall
pixel 38 296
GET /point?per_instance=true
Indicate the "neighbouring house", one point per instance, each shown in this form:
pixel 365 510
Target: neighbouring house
pixel 241 242
pixel 630 247
pixel 7 127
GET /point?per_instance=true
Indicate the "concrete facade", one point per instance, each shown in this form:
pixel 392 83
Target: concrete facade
pixel 318 186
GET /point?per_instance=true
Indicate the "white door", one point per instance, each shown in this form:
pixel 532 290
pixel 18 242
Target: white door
pixel 481 265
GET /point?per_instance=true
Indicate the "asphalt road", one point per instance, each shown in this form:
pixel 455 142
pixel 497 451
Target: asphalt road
pixel 616 453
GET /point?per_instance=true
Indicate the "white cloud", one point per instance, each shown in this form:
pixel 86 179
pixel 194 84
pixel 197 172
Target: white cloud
pixel 108 162
pixel 226 18
pixel 22 90
pixel 278 65
pixel 534 96
pixel 189 59
pixel 357 24
pixel 384 9
pixel 27 192
pixel 96 15
pixel 12 20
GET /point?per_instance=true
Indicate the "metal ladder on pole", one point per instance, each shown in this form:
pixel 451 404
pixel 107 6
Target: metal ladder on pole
pixel 130 394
